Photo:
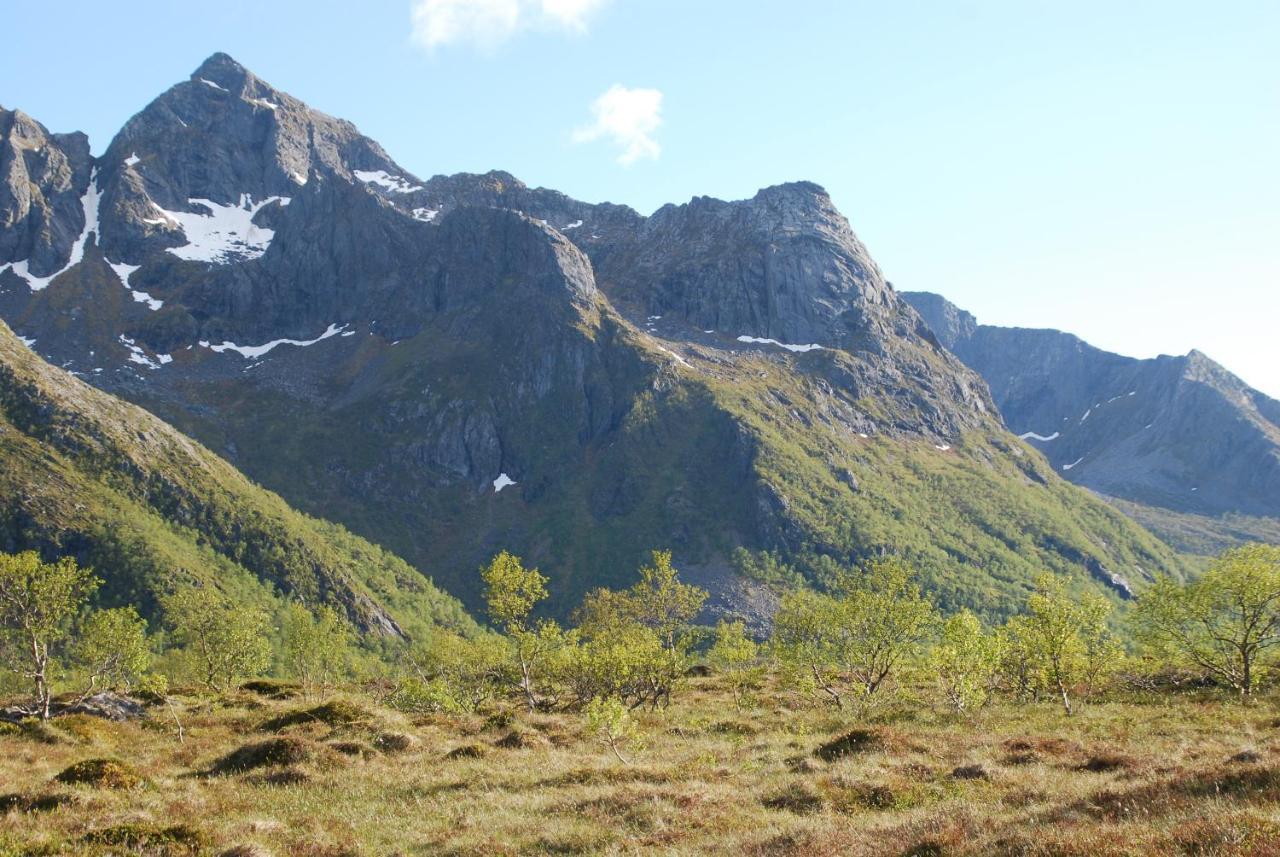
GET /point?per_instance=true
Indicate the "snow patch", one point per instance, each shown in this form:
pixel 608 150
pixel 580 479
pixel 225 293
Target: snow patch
pixel 1086 415
pixel 678 358
pixel 383 179
pixel 89 204
pixel 1040 437
pixel 569 226
pixel 132 159
pixel 799 349
pixel 1073 464
pixel 503 481
pixel 251 351
pixel 942 446
pixel 211 83
pixel 262 102
pixel 225 234
pixel 426 215
pixel 153 304
pixel 137 355
pixel 124 272
pixel 25 341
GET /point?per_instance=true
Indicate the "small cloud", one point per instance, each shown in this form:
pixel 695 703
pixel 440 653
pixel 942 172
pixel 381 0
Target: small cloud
pixel 571 14
pixel 488 23
pixel 628 118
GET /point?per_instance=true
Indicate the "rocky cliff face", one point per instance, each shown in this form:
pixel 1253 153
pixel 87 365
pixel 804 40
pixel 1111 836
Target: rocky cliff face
pixel 43 180
pixel 1180 433
pixel 464 364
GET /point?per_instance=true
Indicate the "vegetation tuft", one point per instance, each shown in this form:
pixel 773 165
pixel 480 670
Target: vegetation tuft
pixel 101 773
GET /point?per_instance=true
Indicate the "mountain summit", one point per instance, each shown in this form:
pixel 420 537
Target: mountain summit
pixel 462 364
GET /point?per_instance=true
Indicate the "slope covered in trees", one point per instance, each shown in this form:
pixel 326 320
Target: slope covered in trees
pixel 87 475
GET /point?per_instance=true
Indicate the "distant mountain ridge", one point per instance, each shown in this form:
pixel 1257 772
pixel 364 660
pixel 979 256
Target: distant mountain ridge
pixel 461 364
pixel 1178 433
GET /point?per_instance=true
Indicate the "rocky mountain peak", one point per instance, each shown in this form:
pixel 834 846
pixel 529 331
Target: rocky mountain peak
pixel 42 179
pixel 224 71
pixel 950 323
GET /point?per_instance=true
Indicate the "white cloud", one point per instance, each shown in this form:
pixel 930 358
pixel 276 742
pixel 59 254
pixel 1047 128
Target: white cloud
pixel 628 118
pixel 487 23
pixel 570 14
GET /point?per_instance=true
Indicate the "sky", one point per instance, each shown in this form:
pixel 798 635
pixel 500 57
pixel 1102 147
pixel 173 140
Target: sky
pixel 1104 168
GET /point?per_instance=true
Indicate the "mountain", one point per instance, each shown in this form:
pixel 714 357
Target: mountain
pixel 86 474
pixel 462 364
pixel 1194 449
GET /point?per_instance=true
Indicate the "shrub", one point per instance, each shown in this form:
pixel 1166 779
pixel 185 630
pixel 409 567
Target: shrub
pixel 102 773
pixel 337 712
pixel 611 723
pixel 272 688
pixel 467 751
pixel 151 839
pixel 395 742
pixel 796 797
pixel 854 741
pixel 287 750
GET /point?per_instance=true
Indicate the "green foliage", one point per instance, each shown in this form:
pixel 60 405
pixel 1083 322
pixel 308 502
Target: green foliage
pixel 766 567
pixel 454 674
pixel 38 600
pixel 1226 623
pixel 512 591
pixel 849 643
pixel 610 721
pixel 1064 638
pixel 112 648
pixel 624 660
pixel 636 641
pixel 966 662
pixel 227 641
pixel 661 602
pixel 316 646
pixel 737 656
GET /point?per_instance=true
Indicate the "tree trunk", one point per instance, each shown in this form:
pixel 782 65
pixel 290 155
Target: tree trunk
pixel 526 684
pixel 1246 681
pixel 1066 701
pixel 817 677
pixel 40 657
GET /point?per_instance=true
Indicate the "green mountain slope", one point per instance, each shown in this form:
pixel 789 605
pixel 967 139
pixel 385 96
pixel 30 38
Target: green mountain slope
pixel 85 473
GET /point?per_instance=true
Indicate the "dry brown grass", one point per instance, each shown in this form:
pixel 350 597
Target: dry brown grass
pixel 1184 778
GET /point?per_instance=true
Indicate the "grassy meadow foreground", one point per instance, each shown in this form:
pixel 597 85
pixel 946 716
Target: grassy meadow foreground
pixel 867 723
pixel 266 771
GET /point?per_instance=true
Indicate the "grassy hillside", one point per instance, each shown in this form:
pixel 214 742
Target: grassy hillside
pixel 84 473
pixel 979 517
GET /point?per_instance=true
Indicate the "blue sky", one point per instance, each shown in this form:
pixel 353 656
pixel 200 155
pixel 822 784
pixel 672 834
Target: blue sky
pixel 1106 168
